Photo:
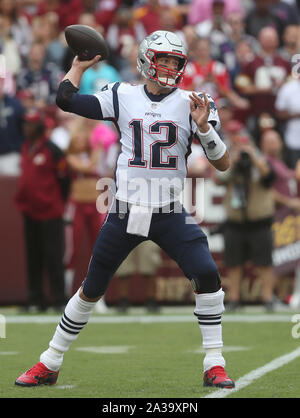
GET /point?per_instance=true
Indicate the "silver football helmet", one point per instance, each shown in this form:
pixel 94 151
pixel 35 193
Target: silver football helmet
pixel 157 44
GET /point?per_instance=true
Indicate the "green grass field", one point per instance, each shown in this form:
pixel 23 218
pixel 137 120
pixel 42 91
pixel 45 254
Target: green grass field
pixel 142 356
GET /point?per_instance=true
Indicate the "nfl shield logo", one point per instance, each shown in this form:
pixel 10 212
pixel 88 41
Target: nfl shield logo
pixel 153 106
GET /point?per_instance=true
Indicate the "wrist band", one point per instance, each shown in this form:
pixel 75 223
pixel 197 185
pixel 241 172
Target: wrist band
pixel 213 145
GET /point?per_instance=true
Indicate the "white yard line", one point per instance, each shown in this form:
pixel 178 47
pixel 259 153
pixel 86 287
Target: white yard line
pixel 109 349
pixel 144 319
pixel 249 378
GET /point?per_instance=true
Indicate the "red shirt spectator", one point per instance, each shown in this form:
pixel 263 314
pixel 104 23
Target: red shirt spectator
pixel 106 12
pixel 286 180
pixel 261 78
pixel 148 16
pixel 44 178
pixel 266 74
pixel 68 11
pixel 211 77
pixel 206 74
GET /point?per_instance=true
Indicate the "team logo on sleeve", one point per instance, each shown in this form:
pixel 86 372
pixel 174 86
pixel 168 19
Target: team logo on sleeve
pixel 105 88
pixel 211 145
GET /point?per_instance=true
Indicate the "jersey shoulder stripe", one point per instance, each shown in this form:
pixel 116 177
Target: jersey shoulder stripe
pixel 116 100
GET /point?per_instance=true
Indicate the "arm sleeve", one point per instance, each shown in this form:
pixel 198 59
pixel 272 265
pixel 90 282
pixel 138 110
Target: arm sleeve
pixel 85 105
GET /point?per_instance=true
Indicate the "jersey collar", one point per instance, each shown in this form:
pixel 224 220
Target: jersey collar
pixel 157 97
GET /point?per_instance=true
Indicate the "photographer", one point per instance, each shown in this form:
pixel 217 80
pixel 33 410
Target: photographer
pixel 249 208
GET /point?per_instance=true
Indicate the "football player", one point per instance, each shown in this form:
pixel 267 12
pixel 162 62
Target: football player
pixel 157 122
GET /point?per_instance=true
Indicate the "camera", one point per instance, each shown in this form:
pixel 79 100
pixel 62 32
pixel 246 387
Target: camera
pixel 243 165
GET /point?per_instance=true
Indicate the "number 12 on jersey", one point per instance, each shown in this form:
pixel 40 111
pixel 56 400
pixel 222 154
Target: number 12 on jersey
pixel 169 130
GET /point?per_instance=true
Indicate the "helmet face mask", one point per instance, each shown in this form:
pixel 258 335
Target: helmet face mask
pixel 160 44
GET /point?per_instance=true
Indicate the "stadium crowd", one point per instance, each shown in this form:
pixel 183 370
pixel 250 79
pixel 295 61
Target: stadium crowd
pixel 244 53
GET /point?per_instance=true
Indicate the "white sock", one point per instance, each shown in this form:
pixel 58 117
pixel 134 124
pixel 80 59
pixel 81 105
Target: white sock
pixel 52 359
pixel 209 308
pixel 75 317
pixel 213 358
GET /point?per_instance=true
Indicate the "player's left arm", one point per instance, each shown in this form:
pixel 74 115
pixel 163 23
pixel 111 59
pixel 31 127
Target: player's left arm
pixel 214 147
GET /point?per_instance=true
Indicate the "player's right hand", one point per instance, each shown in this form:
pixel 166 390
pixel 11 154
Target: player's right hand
pixel 84 65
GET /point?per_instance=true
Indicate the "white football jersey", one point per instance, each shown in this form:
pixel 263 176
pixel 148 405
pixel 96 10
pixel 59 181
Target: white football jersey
pixel 156 133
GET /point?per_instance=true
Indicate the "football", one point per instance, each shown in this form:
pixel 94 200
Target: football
pixel 86 42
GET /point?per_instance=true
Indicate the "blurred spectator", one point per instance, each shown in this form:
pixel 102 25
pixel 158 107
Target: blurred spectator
pixel 206 74
pixel 262 16
pixel 68 11
pixel 42 191
pixel 129 73
pixel 285 193
pixel 40 77
pixel 201 10
pixel 285 187
pixel 8 47
pixel 290 42
pixel 147 18
pixel 143 260
pixel 265 122
pixel 97 77
pixel 121 36
pixel 89 19
pixel 237 24
pixel 105 137
pixel 261 78
pixel 106 11
pixel 46 31
pixel 182 7
pixel 226 113
pixel 243 55
pixel 190 37
pixel 18 24
pixel 11 135
pixel 249 209
pixel 62 132
pixel 210 76
pixel 216 28
pixel 286 12
pixel 239 48
pixel 26 97
pixel 170 19
pixel 288 110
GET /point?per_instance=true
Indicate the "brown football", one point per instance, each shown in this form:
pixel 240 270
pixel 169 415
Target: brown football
pixel 86 42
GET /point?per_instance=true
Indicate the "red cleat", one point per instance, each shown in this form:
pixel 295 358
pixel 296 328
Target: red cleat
pixel 217 377
pixel 36 376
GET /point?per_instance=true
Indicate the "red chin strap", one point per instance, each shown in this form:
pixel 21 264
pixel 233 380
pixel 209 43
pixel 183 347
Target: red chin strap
pixel 168 77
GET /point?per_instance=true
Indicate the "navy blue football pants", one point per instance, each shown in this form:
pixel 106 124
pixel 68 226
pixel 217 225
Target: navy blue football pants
pixel 176 233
